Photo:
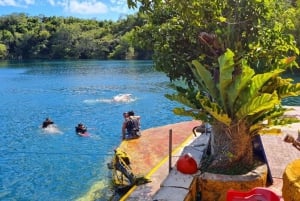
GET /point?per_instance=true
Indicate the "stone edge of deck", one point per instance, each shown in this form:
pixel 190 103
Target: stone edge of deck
pixel 174 185
pixel 176 180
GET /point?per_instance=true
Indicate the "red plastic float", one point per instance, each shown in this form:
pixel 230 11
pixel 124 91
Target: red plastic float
pixel 186 164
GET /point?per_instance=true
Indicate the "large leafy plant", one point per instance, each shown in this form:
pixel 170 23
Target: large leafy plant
pixel 231 76
pixel 236 101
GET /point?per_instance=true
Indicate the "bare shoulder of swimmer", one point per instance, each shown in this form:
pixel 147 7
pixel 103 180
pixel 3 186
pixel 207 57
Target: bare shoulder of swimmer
pixel 136 117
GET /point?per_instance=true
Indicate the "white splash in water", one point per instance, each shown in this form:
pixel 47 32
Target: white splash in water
pixel 52 129
pixel 120 98
pixel 123 98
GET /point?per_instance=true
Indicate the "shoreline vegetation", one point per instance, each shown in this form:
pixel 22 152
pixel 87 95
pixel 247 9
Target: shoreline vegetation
pixel 24 37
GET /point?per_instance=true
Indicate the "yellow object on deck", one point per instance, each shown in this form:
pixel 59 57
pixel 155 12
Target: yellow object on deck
pixel 291 181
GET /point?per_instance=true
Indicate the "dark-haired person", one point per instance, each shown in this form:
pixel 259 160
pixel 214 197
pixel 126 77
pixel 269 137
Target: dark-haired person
pixel 81 129
pixel 47 122
pixel 131 127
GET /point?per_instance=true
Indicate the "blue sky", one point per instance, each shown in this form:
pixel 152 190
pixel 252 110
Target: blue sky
pixel 87 9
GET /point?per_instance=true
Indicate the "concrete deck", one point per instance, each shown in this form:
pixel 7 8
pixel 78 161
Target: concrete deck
pixel 154 163
pixel 149 155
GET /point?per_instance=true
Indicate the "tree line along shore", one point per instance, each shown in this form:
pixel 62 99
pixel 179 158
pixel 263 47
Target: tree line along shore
pixel 40 37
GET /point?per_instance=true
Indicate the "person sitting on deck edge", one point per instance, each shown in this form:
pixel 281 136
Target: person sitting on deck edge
pixel 131 126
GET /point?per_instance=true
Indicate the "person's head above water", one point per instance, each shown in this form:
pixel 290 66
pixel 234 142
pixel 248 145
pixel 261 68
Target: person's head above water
pixel 130 113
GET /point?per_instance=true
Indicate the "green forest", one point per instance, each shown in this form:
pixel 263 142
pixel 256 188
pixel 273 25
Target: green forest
pixel 40 37
pixel 167 32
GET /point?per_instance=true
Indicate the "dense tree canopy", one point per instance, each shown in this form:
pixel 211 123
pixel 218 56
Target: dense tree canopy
pixel 40 37
pixel 260 31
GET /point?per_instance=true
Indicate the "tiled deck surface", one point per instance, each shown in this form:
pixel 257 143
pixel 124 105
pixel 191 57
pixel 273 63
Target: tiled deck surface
pixel 279 153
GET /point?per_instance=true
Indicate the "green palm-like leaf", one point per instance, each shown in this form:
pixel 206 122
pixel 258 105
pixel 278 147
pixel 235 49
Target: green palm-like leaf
pixel 264 102
pixel 216 111
pixel 240 83
pixel 196 114
pixel 276 112
pixel 259 80
pixel 226 64
pixel 288 89
pixel 284 87
pixel 198 78
pixel 256 85
pixel 181 99
pixel 204 75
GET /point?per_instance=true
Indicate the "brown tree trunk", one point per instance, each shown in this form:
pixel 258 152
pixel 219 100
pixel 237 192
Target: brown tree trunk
pixel 231 146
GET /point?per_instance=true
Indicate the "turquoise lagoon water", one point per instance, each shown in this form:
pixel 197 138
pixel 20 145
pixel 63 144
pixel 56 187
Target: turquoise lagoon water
pixel 56 166
pixel 38 165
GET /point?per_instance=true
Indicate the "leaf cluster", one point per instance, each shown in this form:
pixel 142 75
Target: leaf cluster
pixel 238 96
pixel 260 31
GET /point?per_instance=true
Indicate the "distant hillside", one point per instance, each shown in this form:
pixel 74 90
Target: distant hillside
pixel 40 37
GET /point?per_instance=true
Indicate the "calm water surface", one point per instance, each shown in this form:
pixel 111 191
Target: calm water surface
pixel 35 165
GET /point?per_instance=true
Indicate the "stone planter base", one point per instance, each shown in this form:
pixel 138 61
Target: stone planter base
pixel 214 187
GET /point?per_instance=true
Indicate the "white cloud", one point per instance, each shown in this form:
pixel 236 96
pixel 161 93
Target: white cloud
pixel 16 3
pixel 119 2
pixel 29 2
pixel 79 8
pixel 51 2
pixel 8 3
pixel 85 7
pixel 119 6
